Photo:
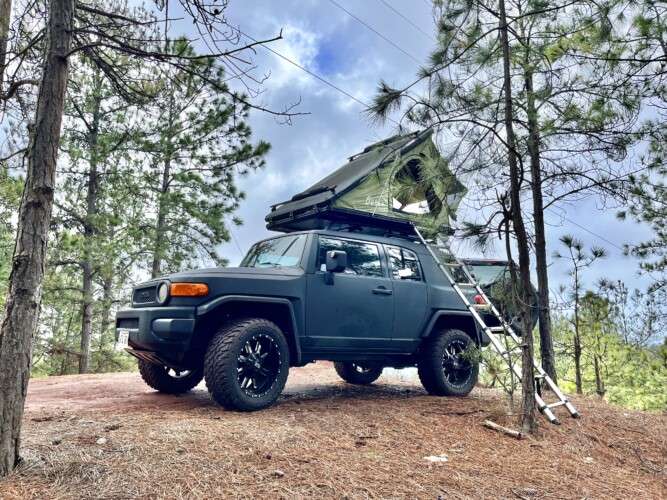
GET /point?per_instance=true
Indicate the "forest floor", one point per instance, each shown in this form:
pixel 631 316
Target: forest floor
pixel 110 436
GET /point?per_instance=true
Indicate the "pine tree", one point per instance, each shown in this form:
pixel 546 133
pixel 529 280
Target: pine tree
pixel 570 116
pixel 197 141
pixel 97 133
pixel 10 193
pixel 71 28
pixel 579 260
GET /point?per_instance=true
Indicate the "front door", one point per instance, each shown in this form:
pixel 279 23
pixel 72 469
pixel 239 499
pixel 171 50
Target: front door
pixel 355 309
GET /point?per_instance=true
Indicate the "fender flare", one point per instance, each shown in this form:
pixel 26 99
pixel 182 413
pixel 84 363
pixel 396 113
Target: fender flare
pixel 212 305
pixel 481 340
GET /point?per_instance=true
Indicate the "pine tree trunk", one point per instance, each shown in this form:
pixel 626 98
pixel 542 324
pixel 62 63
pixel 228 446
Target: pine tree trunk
pixel 65 361
pixel 107 300
pixel 5 16
pixel 89 231
pixel 599 384
pixel 577 364
pixel 577 338
pixel 25 281
pixel 528 420
pixel 514 280
pixel 546 342
pixel 161 218
pixel 86 318
pixel 160 228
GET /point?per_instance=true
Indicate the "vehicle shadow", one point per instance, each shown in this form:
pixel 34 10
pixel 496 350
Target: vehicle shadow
pixel 294 395
pixel 343 391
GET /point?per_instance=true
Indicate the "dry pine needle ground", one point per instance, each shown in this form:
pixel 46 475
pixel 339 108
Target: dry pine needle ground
pixel 109 436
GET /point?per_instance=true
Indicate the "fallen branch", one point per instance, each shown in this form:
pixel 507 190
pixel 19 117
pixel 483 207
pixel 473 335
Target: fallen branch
pixel 647 464
pixel 500 428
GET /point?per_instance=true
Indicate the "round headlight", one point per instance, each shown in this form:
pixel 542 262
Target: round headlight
pixel 163 292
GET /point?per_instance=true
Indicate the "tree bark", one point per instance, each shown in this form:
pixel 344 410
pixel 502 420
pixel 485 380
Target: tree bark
pixel 89 231
pixel 546 342
pixel 163 208
pixel 5 16
pixel 599 384
pixel 528 420
pixel 107 301
pixel 161 218
pixel 577 337
pixel 25 281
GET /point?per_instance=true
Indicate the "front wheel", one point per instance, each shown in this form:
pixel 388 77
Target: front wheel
pixel 246 365
pixel 358 373
pixel 448 365
pixel 168 380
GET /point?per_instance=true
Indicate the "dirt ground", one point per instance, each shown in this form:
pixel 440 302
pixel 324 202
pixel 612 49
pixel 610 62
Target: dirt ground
pixel 110 436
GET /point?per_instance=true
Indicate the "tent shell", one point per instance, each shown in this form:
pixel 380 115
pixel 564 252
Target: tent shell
pixel 358 195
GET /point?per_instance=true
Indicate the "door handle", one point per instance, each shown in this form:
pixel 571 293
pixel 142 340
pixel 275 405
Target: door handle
pixel 382 291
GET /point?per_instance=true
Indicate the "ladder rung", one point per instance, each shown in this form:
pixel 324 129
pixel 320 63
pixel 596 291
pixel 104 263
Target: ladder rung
pixel 493 329
pixel 452 264
pixel 482 307
pixel 558 403
pixel 467 285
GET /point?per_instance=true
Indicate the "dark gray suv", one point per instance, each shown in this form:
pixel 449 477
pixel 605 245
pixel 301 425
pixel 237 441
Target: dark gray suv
pixel 364 302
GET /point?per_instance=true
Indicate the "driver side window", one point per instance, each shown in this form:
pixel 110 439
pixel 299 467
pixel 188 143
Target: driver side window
pixel 363 259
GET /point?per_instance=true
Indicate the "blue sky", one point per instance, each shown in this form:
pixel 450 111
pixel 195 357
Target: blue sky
pixel 326 40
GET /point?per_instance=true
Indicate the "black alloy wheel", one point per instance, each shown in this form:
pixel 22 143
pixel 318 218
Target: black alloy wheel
pixel 258 364
pixel 246 364
pixel 360 373
pixel 456 363
pixel 448 365
pixel 169 380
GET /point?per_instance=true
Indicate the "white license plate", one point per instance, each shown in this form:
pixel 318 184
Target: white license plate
pixel 123 339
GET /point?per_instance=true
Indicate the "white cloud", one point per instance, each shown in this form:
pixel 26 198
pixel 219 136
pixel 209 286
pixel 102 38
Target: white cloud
pixel 299 45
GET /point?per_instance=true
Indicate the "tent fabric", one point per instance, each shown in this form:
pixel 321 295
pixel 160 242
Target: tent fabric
pixel 398 181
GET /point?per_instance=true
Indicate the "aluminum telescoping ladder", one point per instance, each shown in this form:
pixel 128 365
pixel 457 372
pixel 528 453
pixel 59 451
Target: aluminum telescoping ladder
pixel 504 329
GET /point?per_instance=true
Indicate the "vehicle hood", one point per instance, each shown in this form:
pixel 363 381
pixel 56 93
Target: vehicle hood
pixel 237 272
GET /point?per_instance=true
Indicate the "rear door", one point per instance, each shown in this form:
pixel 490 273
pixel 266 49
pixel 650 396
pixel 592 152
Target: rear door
pixel 410 296
pixel 355 311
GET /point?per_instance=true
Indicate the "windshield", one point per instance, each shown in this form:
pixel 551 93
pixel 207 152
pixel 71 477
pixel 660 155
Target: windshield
pixel 487 274
pixel 285 251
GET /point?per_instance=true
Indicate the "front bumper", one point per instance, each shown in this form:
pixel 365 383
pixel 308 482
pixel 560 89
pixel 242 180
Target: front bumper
pixel 165 331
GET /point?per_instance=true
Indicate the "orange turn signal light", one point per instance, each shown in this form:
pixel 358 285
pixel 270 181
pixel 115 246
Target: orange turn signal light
pixel 189 289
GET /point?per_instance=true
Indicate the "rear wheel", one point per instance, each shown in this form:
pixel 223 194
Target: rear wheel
pixel 168 380
pixel 246 365
pixel 448 365
pixel 358 373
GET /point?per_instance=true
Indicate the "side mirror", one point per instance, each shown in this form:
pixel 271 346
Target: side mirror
pixel 336 261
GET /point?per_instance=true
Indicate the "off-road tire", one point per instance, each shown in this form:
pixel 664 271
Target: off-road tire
pixel 349 372
pixel 221 364
pixel 158 377
pixel 431 364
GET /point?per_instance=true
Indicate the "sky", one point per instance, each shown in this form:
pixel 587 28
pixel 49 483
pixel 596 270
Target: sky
pixel 320 36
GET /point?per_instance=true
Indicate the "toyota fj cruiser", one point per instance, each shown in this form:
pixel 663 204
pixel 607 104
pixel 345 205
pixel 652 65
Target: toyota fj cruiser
pixel 363 301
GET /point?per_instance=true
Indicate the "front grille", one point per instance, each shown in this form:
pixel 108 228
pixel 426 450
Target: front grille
pixel 145 295
pixel 128 323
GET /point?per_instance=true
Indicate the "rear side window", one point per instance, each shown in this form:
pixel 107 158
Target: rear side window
pixel 403 264
pixel 363 259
